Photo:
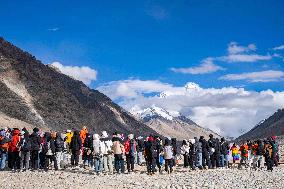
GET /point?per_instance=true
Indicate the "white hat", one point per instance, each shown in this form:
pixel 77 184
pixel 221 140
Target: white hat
pixel 130 136
pixel 104 134
pixel 68 131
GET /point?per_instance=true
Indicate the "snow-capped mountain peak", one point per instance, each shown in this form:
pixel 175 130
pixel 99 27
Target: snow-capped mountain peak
pixel 152 112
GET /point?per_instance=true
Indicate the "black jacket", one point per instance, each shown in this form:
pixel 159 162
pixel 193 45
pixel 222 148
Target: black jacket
pixel 59 143
pixel 140 145
pixel 35 141
pixel 205 146
pixel 76 142
pixel 224 148
pixel 89 141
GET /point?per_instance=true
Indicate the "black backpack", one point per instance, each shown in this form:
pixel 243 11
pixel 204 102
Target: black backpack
pixel 26 145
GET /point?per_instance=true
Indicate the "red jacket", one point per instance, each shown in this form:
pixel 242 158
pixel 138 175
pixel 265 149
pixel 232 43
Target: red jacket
pixel 13 144
pixel 127 146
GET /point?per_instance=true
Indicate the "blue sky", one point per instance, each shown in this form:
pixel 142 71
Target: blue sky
pixel 161 46
pixel 144 39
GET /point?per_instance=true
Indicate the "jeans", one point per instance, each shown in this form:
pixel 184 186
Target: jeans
pixel 25 160
pixel 59 158
pixel 139 158
pixel 206 160
pixel 3 157
pixel 98 164
pixel 108 163
pixel 119 163
pixel 198 162
pixel 222 160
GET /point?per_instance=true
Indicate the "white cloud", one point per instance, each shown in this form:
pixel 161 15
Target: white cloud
pixel 133 88
pixel 262 76
pixel 238 53
pixel 234 48
pixel 207 66
pixel 227 110
pixel 281 47
pixel 84 73
pixel 244 58
pixel 53 29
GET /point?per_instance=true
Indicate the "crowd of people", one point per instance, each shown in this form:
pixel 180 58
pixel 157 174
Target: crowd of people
pixel 21 150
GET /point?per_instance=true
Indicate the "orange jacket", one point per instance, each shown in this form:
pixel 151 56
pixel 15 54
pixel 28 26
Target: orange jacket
pixel 83 134
pixel 244 150
pixel 254 148
pixel 13 144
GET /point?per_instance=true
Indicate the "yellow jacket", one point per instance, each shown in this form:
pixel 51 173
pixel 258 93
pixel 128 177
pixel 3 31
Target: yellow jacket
pixel 69 137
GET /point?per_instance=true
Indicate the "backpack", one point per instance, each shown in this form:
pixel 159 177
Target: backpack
pixel 132 147
pixel 26 145
pixel 3 147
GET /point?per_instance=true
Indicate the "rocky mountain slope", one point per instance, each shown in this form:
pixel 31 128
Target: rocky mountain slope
pixel 171 123
pixel 39 95
pixel 274 125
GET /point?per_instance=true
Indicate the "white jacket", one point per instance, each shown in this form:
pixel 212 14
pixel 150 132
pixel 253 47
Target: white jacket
pixel 106 147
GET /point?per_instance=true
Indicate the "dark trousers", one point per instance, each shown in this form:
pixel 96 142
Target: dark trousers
pixel 206 160
pixel 215 159
pixel 119 163
pixel 75 157
pixel 130 162
pixel 185 160
pixel 15 160
pixel 269 163
pixel 41 160
pixel 48 160
pixel 169 163
pixel 34 159
pixel 25 160
pixel 151 164
pixel 192 160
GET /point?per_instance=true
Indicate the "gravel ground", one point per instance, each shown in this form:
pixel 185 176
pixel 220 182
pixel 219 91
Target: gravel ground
pixel 181 178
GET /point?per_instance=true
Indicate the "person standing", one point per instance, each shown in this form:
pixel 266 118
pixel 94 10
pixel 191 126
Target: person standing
pixel 268 154
pixel 224 159
pixel 244 149
pixel 107 152
pixel 59 147
pixel 75 146
pixel 130 150
pixel 184 150
pixel 150 155
pixel 118 150
pixel 14 149
pixel 35 147
pixel 205 153
pixel 198 153
pixel 140 149
pixel 87 151
pixel 168 155
pixel 98 156
pixel 4 146
pixel 25 144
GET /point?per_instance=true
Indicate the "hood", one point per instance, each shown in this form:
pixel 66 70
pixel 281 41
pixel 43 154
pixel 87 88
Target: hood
pixel 16 132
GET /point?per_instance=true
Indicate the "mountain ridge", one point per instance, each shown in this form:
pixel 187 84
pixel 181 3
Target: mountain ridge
pixel 31 91
pixel 274 125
